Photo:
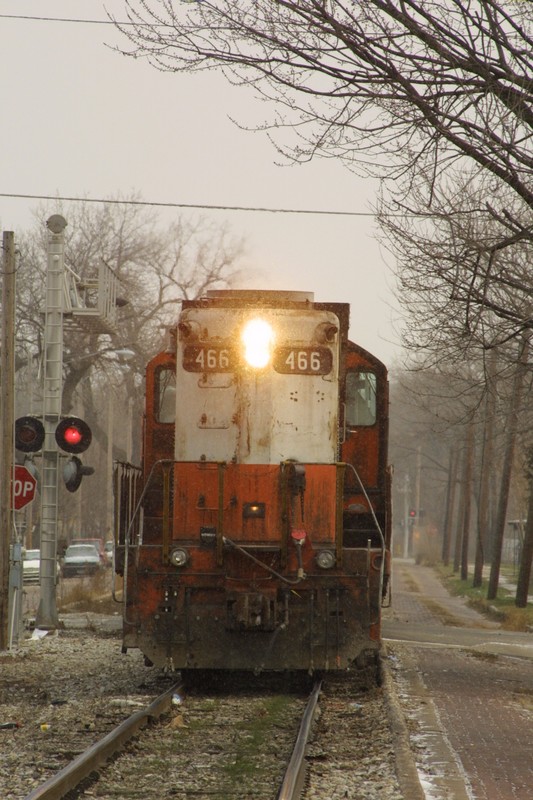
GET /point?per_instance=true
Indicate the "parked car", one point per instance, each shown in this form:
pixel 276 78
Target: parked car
pixel 81 559
pixel 98 543
pixel 31 566
pixel 108 552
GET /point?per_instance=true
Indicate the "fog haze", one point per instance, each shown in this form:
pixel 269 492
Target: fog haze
pixel 81 120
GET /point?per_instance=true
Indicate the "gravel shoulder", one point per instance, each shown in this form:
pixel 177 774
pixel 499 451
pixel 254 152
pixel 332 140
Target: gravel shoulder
pixel 62 692
pixel 58 695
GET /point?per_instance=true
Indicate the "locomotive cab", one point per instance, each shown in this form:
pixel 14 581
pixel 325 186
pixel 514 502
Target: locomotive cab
pixel 256 535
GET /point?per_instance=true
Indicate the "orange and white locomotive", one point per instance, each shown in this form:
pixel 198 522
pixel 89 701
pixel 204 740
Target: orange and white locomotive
pixel 256 534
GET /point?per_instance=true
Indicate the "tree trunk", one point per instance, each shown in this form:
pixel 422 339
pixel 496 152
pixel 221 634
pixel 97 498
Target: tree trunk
pixel 507 468
pixel 486 471
pixel 467 489
pixel 450 499
pixel 524 573
pixel 458 547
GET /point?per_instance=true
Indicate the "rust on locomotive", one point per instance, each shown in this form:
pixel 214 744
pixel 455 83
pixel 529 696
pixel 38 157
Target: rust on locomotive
pixel 258 535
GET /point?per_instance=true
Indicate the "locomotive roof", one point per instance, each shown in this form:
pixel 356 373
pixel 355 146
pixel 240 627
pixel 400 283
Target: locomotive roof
pixel 260 296
pixel 269 298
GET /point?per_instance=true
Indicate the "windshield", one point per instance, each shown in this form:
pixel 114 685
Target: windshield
pixel 81 550
pixel 32 555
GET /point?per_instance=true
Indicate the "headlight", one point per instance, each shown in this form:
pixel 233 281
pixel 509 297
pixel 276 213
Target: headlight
pixel 325 559
pixel 179 557
pixel 258 338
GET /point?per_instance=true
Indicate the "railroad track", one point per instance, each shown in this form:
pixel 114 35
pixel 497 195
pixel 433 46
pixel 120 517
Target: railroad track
pixel 235 742
pixel 81 768
pixel 272 711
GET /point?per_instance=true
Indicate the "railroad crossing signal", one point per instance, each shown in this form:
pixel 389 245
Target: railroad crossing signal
pixel 73 435
pixel 29 434
pixel 22 487
pixel 73 472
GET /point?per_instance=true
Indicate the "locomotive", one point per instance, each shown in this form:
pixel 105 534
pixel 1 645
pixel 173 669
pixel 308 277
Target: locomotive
pixel 256 533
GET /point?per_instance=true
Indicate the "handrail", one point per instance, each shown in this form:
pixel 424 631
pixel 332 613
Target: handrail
pixel 378 527
pixel 161 461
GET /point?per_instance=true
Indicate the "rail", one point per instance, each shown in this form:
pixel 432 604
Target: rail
pixel 293 781
pixel 81 767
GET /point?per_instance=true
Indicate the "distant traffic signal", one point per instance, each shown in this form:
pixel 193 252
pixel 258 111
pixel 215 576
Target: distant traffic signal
pixel 29 434
pixel 73 435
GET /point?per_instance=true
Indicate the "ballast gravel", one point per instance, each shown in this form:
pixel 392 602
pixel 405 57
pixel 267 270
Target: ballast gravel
pixel 60 692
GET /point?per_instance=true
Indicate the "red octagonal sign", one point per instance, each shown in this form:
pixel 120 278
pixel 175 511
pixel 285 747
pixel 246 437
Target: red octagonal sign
pixel 22 487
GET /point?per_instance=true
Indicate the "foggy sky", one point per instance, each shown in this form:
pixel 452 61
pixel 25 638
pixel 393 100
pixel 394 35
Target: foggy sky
pixel 82 120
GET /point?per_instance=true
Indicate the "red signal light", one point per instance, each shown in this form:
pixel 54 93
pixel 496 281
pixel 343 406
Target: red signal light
pixel 73 435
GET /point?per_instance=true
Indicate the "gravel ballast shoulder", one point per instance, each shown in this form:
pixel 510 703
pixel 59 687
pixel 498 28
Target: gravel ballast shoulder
pixel 64 691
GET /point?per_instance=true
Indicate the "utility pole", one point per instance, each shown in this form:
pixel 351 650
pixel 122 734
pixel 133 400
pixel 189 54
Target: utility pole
pixel 406 518
pixel 7 373
pixel 52 392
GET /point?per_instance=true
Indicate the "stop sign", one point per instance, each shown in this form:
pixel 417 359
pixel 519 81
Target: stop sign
pixel 22 487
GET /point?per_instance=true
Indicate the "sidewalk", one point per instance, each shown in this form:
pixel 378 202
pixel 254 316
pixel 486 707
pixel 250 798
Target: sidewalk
pixel 424 612
pixel 465 687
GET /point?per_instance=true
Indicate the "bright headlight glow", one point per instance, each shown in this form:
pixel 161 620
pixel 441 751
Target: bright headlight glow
pixel 257 337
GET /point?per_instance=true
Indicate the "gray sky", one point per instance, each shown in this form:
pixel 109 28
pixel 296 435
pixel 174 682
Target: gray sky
pixel 81 120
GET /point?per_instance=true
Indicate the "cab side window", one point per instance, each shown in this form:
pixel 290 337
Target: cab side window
pixel 165 395
pixel 360 399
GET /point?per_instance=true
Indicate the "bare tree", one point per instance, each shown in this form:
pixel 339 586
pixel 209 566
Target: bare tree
pixel 378 83
pixel 507 464
pixel 156 267
pixel 433 410
pixel 465 283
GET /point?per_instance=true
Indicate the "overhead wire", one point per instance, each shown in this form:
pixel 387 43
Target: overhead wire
pixel 198 206
pixel 62 19
pixel 161 204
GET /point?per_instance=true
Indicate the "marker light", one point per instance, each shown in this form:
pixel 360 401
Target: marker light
pixel 179 557
pixel 257 337
pixel 325 559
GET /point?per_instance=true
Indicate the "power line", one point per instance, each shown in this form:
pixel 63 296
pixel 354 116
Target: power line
pixel 199 206
pixel 255 209
pixel 62 19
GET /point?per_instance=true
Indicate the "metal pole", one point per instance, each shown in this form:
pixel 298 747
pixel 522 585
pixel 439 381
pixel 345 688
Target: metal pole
pixel 7 366
pixel 52 395
pixel 109 466
pixel 406 518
